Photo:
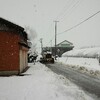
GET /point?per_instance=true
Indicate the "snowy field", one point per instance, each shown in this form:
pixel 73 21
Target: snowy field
pixel 85 65
pixel 40 83
pixel 93 52
pixel 84 60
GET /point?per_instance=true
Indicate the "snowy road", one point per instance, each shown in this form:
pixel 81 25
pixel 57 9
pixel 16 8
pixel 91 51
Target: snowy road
pixel 87 82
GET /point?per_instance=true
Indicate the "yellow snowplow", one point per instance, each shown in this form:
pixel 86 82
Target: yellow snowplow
pixel 47 58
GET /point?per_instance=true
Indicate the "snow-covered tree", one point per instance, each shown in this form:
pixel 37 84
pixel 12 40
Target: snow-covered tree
pixel 31 37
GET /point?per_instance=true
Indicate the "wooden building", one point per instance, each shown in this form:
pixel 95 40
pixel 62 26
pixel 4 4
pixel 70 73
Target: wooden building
pixel 13 48
pixel 61 48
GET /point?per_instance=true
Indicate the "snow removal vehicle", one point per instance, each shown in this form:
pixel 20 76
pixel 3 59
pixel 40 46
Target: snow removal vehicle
pixel 47 57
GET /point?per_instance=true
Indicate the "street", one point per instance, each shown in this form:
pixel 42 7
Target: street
pixel 86 82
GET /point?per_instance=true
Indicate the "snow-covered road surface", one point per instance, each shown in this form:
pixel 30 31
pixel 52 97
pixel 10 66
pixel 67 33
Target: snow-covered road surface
pixel 40 83
pixel 88 83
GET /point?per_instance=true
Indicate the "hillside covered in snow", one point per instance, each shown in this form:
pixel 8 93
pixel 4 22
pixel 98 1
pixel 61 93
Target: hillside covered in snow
pixel 85 60
pixel 86 52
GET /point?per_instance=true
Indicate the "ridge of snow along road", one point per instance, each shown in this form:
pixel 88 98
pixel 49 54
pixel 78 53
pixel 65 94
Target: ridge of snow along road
pixel 40 83
pixel 85 52
pixel 84 60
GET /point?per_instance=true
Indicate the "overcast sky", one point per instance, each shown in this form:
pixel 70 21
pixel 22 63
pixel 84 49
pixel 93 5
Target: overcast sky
pixel 41 14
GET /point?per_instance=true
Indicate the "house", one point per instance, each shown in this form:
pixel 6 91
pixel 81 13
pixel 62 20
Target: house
pixel 63 47
pixel 60 48
pixel 65 43
pixel 13 48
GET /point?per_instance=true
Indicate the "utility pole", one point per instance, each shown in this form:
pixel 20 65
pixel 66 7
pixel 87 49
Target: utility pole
pixel 55 38
pixel 51 46
pixel 41 44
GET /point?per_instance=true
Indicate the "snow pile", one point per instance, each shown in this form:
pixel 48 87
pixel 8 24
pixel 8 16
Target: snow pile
pixel 89 66
pixel 40 83
pixel 89 63
pixel 87 52
pixel 85 60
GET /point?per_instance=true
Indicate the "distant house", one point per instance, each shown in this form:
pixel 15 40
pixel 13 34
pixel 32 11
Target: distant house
pixel 13 48
pixel 65 43
pixel 60 48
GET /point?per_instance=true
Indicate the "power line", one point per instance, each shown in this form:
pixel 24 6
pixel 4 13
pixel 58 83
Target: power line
pixel 64 9
pixel 67 7
pixel 69 10
pixel 70 5
pixel 80 23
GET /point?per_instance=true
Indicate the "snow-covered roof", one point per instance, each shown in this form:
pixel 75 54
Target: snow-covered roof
pixel 65 43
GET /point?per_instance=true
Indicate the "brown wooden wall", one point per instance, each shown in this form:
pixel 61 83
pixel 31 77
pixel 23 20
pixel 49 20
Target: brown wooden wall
pixel 9 51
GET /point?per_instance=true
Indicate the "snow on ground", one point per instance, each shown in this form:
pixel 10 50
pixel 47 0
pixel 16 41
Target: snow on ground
pixel 93 52
pixel 85 65
pixel 84 60
pixel 40 83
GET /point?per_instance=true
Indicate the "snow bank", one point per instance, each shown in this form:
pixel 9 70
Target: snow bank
pixel 40 83
pixel 86 60
pixel 86 65
pixel 87 52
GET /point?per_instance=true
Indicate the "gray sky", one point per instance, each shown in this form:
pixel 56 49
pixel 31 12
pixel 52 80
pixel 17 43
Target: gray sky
pixel 40 16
